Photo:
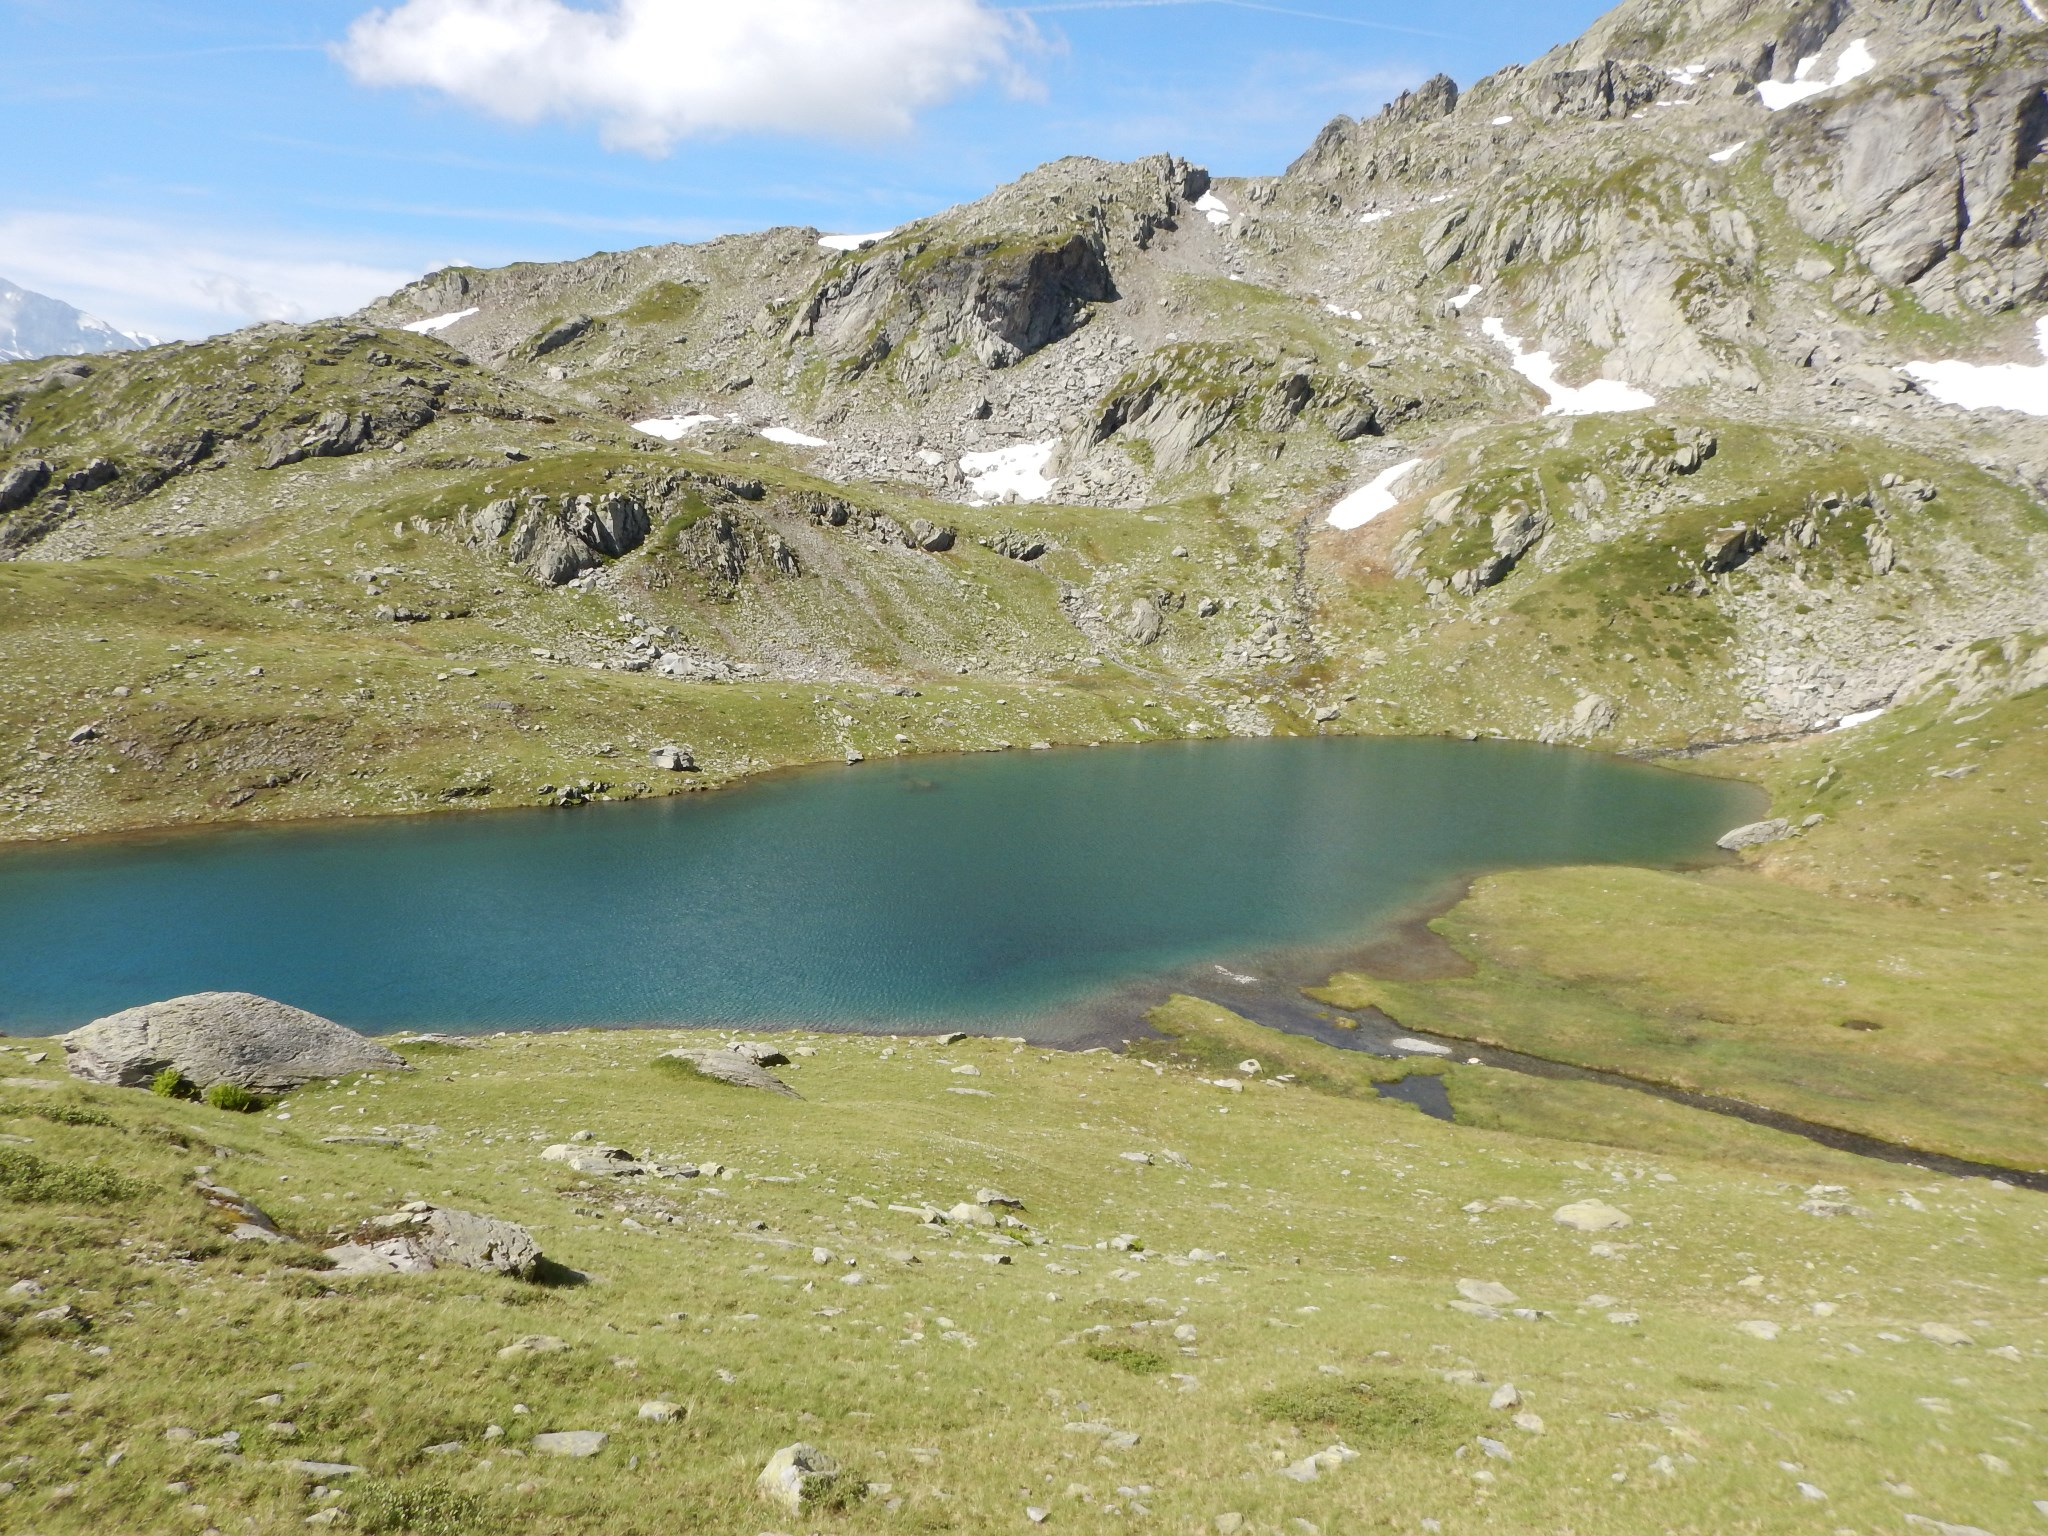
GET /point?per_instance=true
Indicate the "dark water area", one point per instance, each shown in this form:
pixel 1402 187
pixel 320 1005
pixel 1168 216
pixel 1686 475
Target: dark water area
pixel 991 892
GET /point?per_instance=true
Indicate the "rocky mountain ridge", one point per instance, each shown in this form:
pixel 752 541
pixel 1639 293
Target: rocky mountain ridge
pixel 33 325
pixel 1611 398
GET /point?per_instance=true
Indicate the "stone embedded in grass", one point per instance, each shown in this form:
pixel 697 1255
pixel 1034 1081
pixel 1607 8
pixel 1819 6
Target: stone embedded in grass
pixel 595 1160
pixel 1591 1216
pixel 251 1222
pixel 798 1477
pixel 660 1412
pixel 1759 1328
pixel 425 1237
pixel 221 1037
pixel 533 1344
pixel 1943 1333
pixel 1309 1468
pixel 727 1067
pixel 1755 834
pixel 571 1442
pixel 1487 1293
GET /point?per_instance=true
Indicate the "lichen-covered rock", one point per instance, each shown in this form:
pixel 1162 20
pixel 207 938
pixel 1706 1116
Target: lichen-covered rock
pixel 1591 1216
pixel 798 1477
pixel 221 1037
pixel 422 1237
pixel 21 484
pixel 729 1067
pixel 1754 834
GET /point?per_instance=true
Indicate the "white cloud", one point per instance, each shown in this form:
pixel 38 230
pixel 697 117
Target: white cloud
pixel 177 282
pixel 651 72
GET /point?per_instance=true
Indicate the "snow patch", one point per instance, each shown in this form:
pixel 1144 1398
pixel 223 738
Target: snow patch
pixel 1344 314
pixel 1214 206
pixel 1861 717
pixel 439 322
pixel 1598 398
pixel 1466 297
pixel 1424 1047
pixel 1502 122
pixel 1369 501
pixel 1856 61
pixel 792 438
pixel 1376 215
pixel 929 459
pixel 853 242
pixel 672 429
pixel 1723 156
pixel 1016 473
pixel 2019 387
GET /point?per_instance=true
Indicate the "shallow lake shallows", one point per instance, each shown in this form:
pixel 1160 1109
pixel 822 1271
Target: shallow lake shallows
pixel 927 892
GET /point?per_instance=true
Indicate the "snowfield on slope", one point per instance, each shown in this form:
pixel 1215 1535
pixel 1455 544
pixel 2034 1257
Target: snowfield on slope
pixel 1599 398
pixel 2019 387
pixel 440 323
pixel 1016 473
pixel 1856 61
pixel 1369 501
pixel 853 242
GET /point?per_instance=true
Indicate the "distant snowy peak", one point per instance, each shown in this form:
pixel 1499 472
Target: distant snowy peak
pixel 34 326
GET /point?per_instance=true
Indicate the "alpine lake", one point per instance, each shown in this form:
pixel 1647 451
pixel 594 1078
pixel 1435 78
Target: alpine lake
pixel 996 893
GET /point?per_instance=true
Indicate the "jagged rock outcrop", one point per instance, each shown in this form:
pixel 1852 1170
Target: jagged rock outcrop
pixel 22 483
pixel 1008 277
pixel 1191 393
pixel 557 540
pixel 725 547
pixel 1912 171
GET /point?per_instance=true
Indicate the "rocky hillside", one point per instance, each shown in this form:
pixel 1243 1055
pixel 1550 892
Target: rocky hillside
pixel 1679 387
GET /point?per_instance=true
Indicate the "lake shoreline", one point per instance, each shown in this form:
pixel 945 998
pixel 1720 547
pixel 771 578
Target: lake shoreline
pixel 684 785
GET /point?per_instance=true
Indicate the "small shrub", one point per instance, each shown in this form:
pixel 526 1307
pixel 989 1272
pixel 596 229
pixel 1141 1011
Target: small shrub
pixel 31 1180
pixel 71 1114
pixel 418 1509
pixel 170 1084
pixel 234 1098
pixel 1128 1354
pixel 1384 1413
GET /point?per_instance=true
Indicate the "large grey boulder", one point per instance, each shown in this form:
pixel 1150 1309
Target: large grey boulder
pixel 420 1237
pixel 730 1067
pixel 221 1037
pixel 1755 834
pixel 21 484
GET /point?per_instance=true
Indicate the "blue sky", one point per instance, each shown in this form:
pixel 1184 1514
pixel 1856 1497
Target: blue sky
pixel 185 168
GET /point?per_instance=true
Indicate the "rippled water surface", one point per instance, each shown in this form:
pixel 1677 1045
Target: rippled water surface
pixel 967 890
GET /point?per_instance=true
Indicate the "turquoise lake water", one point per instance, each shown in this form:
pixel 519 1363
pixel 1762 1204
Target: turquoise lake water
pixel 939 892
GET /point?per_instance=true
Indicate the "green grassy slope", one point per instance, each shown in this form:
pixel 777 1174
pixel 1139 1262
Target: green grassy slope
pixel 1289 1288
